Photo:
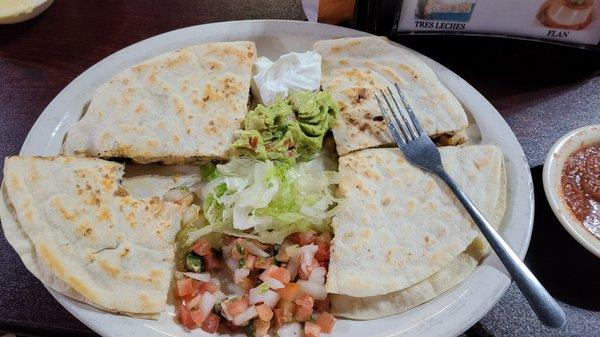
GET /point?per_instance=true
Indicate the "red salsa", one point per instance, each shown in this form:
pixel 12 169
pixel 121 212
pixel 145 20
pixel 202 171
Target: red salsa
pixel 580 183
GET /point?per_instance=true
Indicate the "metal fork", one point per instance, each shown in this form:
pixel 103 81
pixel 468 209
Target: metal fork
pixel 420 151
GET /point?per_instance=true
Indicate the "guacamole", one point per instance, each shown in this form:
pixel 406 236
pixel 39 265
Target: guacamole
pixel 288 129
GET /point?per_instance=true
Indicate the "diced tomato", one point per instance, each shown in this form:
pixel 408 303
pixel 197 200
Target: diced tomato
pixel 305 300
pixel 250 261
pixel 287 306
pixel 264 312
pixel 322 253
pixel 263 263
pixel 303 313
pixel 201 247
pixel 289 292
pixel 210 261
pixel 211 323
pixel 231 326
pixel 309 268
pixel 280 274
pixel 207 286
pixel 238 306
pixel 185 287
pixel 197 317
pixel 311 330
pixel 282 317
pixel 322 305
pixel 246 283
pixel 302 239
pixel 261 327
pixel 227 239
pixel 185 318
pixel 326 322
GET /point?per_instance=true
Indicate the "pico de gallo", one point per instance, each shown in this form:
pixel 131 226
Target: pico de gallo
pixel 261 290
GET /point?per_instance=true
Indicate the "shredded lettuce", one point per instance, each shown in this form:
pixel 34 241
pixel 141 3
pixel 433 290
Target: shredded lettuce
pixel 208 171
pixel 267 200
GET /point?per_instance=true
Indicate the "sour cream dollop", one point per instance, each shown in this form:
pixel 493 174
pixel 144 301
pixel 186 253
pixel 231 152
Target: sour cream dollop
pixel 293 71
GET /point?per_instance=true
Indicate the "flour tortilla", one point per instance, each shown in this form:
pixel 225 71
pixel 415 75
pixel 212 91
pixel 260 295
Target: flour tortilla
pixel 178 107
pixel 449 276
pixel 354 68
pixel 398 225
pixel 76 230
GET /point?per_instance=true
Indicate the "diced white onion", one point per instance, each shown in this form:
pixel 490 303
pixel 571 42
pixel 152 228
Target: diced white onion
pixel 290 330
pixel 306 256
pixel 232 263
pixel 219 296
pixel 293 266
pixel 207 303
pixel 315 290
pixel 234 289
pixel 239 274
pixel 254 296
pixel 186 201
pixel 274 283
pixel 225 311
pixel 252 248
pixel 245 316
pixel 174 195
pixel 270 298
pixel 194 302
pixel 292 251
pixel 202 277
pixel 191 214
pixel 216 282
pixel 317 276
pixel 178 274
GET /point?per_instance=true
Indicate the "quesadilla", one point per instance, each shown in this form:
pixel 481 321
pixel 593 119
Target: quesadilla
pixel 399 225
pixel 454 273
pixel 354 68
pixel 78 231
pixel 177 107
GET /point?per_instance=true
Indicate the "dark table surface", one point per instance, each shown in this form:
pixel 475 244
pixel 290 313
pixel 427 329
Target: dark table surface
pixel 542 90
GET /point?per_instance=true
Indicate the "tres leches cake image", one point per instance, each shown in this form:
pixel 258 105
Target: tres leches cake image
pixel 446 10
pixel 566 14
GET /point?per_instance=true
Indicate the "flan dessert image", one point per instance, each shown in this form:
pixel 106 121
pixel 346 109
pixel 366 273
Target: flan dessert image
pixel 445 10
pixel 566 14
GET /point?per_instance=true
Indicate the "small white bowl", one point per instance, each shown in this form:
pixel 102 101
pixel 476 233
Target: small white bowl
pixel 14 11
pixel 552 174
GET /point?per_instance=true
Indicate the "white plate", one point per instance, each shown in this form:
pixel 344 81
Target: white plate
pixel 449 314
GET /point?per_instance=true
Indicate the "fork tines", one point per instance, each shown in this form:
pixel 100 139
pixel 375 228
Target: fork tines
pixel 402 128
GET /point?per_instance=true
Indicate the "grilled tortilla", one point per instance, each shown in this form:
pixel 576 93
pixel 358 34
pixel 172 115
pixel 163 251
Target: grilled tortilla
pixel 77 231
pixel 177 107
pixel 354 68
pixel 454 273
pixel 399 225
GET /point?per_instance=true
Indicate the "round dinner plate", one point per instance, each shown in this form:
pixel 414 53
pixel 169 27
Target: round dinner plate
pixel 449 314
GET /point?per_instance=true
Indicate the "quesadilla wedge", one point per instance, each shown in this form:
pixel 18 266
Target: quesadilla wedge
pixel 454 273
pixel 354 68
pixel 399 225
pixel 176 107
pixel 79 232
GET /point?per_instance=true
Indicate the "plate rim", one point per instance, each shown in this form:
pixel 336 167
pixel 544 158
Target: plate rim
pixel 438 68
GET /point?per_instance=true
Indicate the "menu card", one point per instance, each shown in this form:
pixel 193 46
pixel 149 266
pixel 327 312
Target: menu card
pixel 570 21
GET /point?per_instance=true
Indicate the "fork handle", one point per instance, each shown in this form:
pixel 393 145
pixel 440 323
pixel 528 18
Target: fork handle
pixel 542 303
